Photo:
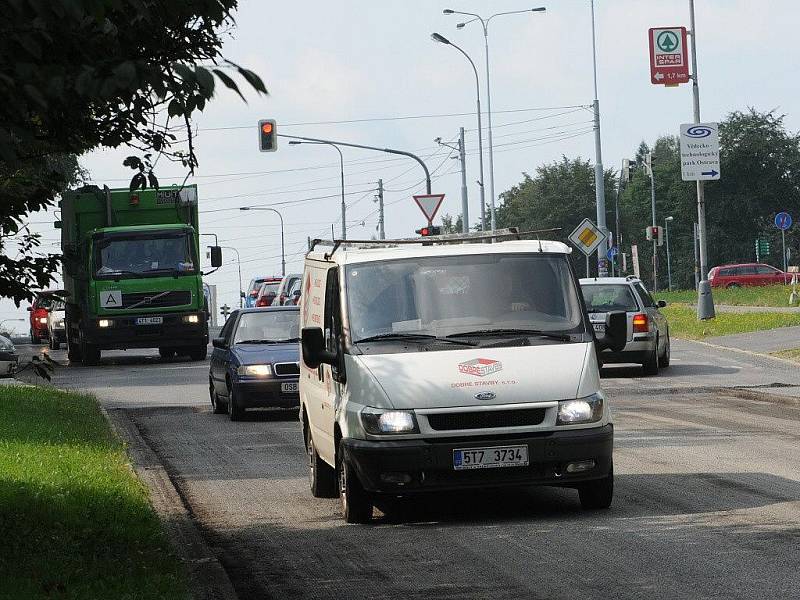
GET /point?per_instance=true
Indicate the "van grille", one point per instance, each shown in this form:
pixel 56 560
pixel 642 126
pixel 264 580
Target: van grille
pixel 287 369
pixel 486 419
pixel 171 298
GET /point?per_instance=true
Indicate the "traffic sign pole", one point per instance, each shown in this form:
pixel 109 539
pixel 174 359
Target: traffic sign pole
pixel 783 241
pixel 705 301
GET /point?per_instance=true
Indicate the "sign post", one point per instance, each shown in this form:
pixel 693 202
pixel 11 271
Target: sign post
pixel 669 63
pixel 587 237
pixel 783 221
pixel 429 205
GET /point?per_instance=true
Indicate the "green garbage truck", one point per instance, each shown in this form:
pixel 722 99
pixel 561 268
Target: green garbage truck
pixel 131 267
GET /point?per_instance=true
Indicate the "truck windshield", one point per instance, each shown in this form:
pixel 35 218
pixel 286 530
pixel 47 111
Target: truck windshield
pixel 450 295
pixel 143 255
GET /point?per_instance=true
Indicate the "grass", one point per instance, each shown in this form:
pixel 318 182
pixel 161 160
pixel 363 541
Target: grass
pixel 793 354
pixel 75 522
pixel 683 322
pixel 771 295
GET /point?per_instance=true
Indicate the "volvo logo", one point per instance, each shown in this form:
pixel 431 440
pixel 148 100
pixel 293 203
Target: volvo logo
pixel 486 396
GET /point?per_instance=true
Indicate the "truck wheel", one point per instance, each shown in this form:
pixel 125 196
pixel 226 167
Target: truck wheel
pixel 321 477
pixel 198 352
pixel 356 503
pixel 166 353
pixel 90 354
pixel 73 352
pixel 597 494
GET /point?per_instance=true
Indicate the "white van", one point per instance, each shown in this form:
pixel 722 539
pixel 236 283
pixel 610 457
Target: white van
pixel 450 365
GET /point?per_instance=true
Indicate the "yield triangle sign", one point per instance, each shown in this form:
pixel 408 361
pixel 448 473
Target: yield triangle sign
pixel 429 204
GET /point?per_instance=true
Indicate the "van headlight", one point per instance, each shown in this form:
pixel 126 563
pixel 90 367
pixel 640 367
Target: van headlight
pixel 378 421
pixel 581 410
pixel 254 370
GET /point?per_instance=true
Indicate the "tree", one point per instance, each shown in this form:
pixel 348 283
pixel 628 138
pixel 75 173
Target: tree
pixel 559 197
pixel 79 74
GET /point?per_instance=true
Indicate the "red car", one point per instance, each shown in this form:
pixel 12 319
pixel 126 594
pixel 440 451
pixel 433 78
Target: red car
pixel 38 317
pixel 749 274
pixel 268 291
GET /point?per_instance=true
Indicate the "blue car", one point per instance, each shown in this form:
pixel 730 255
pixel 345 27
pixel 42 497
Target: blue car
pixel 256 361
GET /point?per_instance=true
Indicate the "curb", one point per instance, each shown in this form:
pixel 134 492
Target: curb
pixel 208 580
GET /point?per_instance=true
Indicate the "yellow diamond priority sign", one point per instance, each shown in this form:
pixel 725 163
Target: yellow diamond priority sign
pixel 587 237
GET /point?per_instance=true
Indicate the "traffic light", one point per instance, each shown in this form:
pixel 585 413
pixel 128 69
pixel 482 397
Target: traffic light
pixel 429 231
pixel 655 233
pixel 267 135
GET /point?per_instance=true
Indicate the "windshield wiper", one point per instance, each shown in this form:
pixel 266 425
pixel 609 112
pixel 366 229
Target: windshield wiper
pixel 564 337
pixel 259 342
pixel 422 337
pixel 116 273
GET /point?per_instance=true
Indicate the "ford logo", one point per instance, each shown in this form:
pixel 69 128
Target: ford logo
pixel 486 396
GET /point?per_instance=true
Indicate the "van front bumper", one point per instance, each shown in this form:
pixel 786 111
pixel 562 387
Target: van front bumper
pixel 427 464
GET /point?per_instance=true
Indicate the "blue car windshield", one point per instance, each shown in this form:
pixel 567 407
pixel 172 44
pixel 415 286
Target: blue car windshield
pixel 268 326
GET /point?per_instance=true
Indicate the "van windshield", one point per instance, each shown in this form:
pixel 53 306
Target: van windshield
pixel 450 295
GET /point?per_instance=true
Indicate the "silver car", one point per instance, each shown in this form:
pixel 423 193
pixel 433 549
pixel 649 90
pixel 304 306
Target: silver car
pixel 648 330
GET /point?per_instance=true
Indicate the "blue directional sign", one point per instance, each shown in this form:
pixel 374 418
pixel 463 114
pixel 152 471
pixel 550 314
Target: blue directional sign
pixel 612 252
pixel 783 220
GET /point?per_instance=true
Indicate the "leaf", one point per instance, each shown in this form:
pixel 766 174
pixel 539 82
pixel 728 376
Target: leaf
pixel 132 161
pixel 230 83
pixel 185 72
pixel 200 102
pixel 138 180
pixel 253 80
pixel 175 108
pixel 157 142
pixel 206 81
pixel 35 95
pixel 153 180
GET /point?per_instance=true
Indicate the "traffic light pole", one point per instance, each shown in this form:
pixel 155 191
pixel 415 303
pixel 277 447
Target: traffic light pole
pixel 705 301
pixel 464 197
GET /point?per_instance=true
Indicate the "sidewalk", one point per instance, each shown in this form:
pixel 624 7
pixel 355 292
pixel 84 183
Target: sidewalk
pixel 763 342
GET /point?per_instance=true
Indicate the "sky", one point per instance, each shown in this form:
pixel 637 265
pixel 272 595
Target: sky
pixel 349 70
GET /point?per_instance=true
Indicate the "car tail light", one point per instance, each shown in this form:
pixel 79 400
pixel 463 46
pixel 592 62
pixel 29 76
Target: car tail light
pixel 640 324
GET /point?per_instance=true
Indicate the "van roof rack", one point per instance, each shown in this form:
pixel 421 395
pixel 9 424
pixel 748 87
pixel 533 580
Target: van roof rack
pixel 448 238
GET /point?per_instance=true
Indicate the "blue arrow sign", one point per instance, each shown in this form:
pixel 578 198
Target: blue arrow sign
pixel 783 220
pixel 612 252
pixel 711 173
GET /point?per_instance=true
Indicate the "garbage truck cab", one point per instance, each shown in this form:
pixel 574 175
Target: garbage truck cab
pixel 451 364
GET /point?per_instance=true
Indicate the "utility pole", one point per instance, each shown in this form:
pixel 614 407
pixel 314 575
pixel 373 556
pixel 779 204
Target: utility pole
pixel 602 269
pixel 649 166
pixel 705 301
pixel 696 257
pixel 669 267
pixel 464 198
pixel 381 232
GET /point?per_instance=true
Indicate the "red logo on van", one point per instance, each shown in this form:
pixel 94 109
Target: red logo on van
pixel 480 367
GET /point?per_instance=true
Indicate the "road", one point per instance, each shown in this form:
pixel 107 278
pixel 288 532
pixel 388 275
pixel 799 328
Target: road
pixel 706 504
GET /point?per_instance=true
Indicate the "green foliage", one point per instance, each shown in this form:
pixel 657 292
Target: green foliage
pixel 559 196
pixel 74 519
pixel 683 322
pixel 768 295
pixel 81 74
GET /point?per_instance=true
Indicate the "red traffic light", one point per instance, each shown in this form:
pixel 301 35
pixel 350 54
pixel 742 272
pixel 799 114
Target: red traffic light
pixel 267 135
pixel 429 231
pixel 266 127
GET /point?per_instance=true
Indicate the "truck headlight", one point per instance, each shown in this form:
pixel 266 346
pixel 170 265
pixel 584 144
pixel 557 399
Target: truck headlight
pixel 254 370
pixel 377 421
pixel 191 319
pixel 582 410
pixel 105 323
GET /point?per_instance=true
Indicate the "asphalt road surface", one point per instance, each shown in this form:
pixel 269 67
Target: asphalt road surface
pixel 707 501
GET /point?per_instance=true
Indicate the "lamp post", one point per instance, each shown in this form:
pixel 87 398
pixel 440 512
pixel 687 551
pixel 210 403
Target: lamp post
pixel 280 216
pixel 239 265
pixel 669 268
pixel 485 23
pixel 341 165
pixel 443 40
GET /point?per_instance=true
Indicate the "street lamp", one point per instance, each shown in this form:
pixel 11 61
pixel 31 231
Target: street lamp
pixel 280 216
pixel 341 164
pixel 669 268
pixel 485 23
pixel 443 40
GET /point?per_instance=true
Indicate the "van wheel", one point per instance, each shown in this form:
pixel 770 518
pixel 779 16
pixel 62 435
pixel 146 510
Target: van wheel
pixel 356 503
pixel 597 494
pixel 321 477
pixel 650 365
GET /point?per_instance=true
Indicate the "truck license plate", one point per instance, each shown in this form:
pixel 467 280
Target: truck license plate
pixel 149 320
pixel 490 458
pixel 291 388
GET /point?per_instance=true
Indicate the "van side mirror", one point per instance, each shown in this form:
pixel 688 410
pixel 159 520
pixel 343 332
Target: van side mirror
pixel 616 333
pixel 216 256
pixel 314 352
pixel 661 303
